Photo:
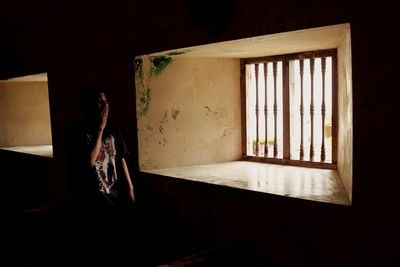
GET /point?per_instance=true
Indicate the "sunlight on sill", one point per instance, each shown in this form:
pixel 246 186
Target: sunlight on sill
pixel 41 150
pixel 297 182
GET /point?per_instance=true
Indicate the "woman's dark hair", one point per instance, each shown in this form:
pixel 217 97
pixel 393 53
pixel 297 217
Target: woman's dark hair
pixel 89 95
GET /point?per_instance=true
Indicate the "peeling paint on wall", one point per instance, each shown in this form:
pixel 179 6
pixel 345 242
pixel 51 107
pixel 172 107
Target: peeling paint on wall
pixel 174 113
pixel 163 142
pixel 227 131
pixel 164 119
pixel 219 112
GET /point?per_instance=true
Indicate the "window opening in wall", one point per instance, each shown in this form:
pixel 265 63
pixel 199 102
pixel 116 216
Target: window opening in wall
pixel 25 115
pixel 291 108
pixel 212 113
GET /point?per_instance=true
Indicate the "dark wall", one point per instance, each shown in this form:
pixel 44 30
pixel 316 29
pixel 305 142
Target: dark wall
pixel 97 45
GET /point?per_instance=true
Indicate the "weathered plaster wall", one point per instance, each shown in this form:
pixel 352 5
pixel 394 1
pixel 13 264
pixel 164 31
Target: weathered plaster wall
pixel 188 113
pixel 24 114
pixel 345 106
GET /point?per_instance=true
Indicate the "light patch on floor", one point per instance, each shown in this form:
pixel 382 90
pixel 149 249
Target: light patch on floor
pixel 306 183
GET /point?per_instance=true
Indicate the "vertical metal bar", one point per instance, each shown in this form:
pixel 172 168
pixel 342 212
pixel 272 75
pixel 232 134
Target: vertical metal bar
pixel 301 109
pixel 257 110
pixel 312 109
pixel 266 109
pixel 323 108
pixel 275 111
pixel 286 109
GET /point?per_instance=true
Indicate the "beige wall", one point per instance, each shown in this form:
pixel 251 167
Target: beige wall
pixel 345 105
pixel 192 113
pixel 24 114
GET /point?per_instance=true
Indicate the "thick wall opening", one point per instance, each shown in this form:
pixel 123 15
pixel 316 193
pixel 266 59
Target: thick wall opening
pixel 25 115
pixel 188 110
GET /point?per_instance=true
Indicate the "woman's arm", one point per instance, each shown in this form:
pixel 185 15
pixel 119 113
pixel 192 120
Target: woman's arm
pixel 94 153
pixel 131 193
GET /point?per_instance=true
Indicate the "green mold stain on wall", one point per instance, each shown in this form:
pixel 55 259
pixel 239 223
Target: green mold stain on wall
pixel 158 64
pixel 138 64
pixel 146 68
pixel 143 91
pixel 144 102
pixel 178 52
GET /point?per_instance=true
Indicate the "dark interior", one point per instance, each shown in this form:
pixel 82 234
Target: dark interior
pixel 182 222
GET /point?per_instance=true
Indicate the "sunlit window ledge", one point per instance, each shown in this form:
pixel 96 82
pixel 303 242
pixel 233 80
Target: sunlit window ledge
pixel 41 150
pixel 297 182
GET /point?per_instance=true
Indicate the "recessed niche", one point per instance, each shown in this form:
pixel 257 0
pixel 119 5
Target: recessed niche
pixel 188 103
pixel 25 115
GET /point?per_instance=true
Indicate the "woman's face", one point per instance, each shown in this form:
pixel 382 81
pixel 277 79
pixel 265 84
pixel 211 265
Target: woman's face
pixel 101 102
